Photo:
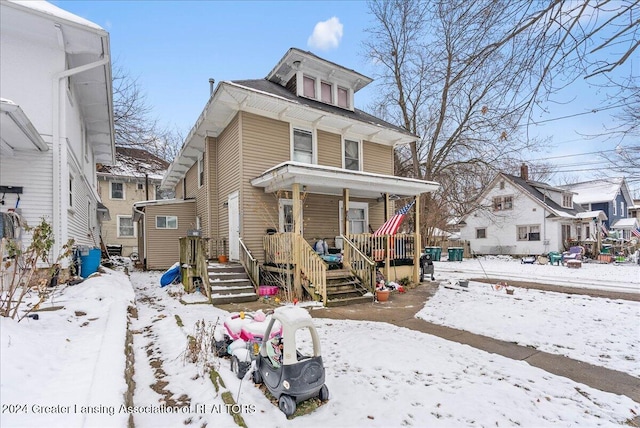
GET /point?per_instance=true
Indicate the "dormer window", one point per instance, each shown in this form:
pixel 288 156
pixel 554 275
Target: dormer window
pixel 309 86
pixel 343 97
pixel 567 200
pixel 325 93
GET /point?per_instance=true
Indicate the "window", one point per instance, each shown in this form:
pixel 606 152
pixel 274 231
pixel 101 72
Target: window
pixel 501 203
pixel 502 185
pixel 309 87
pixel 70 190
pixel 140 186
pixel 117 190
pixel 529 233
pixel 358 217
pixel 566 232
pixel 325 93
pixel 343 97
pixel 285 214
pixel 567 200
pixel 126 228
pixel 481 233
pixel 166 222
pixel 615 208
pixel 352 155
pixel 622 209
pixel 579 232
pixel 587 231
pixel 201 170
pixel 302 146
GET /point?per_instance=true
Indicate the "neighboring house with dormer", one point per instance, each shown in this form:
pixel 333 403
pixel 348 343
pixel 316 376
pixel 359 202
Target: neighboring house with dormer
pixel 57 119
pixel 519 216
pixel 610 195
pixel 273 164
pixel 136 176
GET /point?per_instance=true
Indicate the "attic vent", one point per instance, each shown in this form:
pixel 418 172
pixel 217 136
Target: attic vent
pixel 502 185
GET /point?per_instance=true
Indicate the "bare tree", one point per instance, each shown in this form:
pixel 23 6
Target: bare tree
pixel 465 75
pixel 134 124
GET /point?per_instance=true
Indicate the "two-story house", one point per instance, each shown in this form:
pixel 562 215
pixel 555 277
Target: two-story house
pixel 610 195
pixel 136 176
pixel 273 164
pixel 518 216
pixel 56 121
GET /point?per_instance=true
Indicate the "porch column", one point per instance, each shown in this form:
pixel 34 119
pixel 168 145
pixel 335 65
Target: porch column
pixel 387 216
pixel 345 211
pixel 598 225
pixel 417 243
pixel 297 228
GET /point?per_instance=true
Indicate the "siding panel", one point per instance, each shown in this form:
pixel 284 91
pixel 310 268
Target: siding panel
pixel 163 245
pixel 329 149
pixel 377 158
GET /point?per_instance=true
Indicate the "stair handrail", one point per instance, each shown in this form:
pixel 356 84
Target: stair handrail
pixel 313 268
pixel 250 264
pixel 359 263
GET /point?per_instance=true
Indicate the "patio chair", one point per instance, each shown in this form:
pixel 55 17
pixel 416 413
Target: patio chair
pixel 555 258
pixel 574 253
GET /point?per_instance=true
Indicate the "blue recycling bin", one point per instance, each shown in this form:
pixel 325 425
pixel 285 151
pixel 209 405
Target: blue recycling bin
pixel 89 263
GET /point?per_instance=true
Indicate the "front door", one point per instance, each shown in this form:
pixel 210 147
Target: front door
pixel 234 227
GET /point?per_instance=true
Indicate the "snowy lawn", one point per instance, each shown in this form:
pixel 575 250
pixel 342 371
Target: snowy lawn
pixel 599 331
pixel 377 374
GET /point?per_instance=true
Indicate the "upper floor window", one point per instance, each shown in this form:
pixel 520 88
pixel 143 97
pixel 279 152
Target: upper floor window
pixel 309 86
pixel 622 208
pixel 140 186
pixel 352 155
pixel 615 208
pixel 70 190
pixel 567 200
pixel 166 222
pixel 201 170
pixel 302 146
pixel 326 95
pixel 501 203
pixel 481 233
pixel 117 190
pixel 502 185
pixel 343 97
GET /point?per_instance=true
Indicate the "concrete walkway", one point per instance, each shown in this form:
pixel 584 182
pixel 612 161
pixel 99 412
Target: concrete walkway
pixel 400 310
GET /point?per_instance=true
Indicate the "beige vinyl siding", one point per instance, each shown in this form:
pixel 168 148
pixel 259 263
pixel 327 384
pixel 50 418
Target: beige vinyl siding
pixel 266 143
pixel 228 172
pixel 163 246
pixel 178 189
pixel 377 158
pixel 202 196
pixel 191 178
pixel 329 149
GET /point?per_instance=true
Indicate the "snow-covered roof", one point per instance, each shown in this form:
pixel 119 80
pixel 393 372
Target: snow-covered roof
pixel 626 224
pixel 594 191
pixel 600 215
pixel 132 162
pixel 50 9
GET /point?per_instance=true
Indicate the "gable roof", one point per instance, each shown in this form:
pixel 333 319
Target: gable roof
pixel 133 162
pixel 602 190
pixel 540 192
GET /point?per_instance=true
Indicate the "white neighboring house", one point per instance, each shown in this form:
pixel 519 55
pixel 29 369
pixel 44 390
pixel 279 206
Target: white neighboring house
pixel 57 118
pixel 518 216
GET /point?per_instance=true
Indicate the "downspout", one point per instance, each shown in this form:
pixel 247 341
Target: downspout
pixel 59 149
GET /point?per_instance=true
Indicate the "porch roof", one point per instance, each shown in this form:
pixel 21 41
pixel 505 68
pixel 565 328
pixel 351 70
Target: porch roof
pixel 600 215
pixel 331 181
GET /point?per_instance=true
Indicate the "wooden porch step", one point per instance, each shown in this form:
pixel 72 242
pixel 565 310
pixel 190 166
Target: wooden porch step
pixel 230 284
pixel 349 301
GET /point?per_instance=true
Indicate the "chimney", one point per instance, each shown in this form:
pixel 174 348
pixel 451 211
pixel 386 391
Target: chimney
pixel 524 171
pixel 211 82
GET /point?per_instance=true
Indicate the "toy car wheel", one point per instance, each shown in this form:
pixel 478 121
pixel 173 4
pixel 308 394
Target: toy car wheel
pixel 257 377
pixel 220 347
pixel 240 368
pixel 287 405
pixel 323 395
pixel 421 272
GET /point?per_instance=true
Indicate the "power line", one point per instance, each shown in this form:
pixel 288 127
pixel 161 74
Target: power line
pixel 573 155
pixel 592 111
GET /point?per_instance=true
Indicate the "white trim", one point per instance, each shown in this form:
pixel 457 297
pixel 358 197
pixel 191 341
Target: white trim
pixel 282 202
pixel 357 140
pixel 200 163
pixel 166 222
pixel 133 223
pixel 314 142
pixel 354 205
pixel 124 194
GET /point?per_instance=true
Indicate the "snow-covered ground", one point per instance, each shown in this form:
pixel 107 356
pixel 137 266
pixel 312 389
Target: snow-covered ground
pixel 72 360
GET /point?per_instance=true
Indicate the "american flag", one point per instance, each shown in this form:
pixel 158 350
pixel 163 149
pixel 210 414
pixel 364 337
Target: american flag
pixel 636 232
pixel 391 226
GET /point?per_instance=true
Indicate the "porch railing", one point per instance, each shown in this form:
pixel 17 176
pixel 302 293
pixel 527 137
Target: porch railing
pixel 193 263
pixel 359 263
pixel 397 247
pixel 289 250
pixel 251 265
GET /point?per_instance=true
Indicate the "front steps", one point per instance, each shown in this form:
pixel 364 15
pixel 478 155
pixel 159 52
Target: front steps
pixel 230 284
pixel 343 288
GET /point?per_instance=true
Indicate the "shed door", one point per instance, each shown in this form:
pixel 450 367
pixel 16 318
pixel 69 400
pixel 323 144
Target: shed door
pixel 234 227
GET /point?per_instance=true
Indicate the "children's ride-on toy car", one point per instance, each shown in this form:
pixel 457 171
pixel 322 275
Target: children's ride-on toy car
pixel 244 333
pixel 290 375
